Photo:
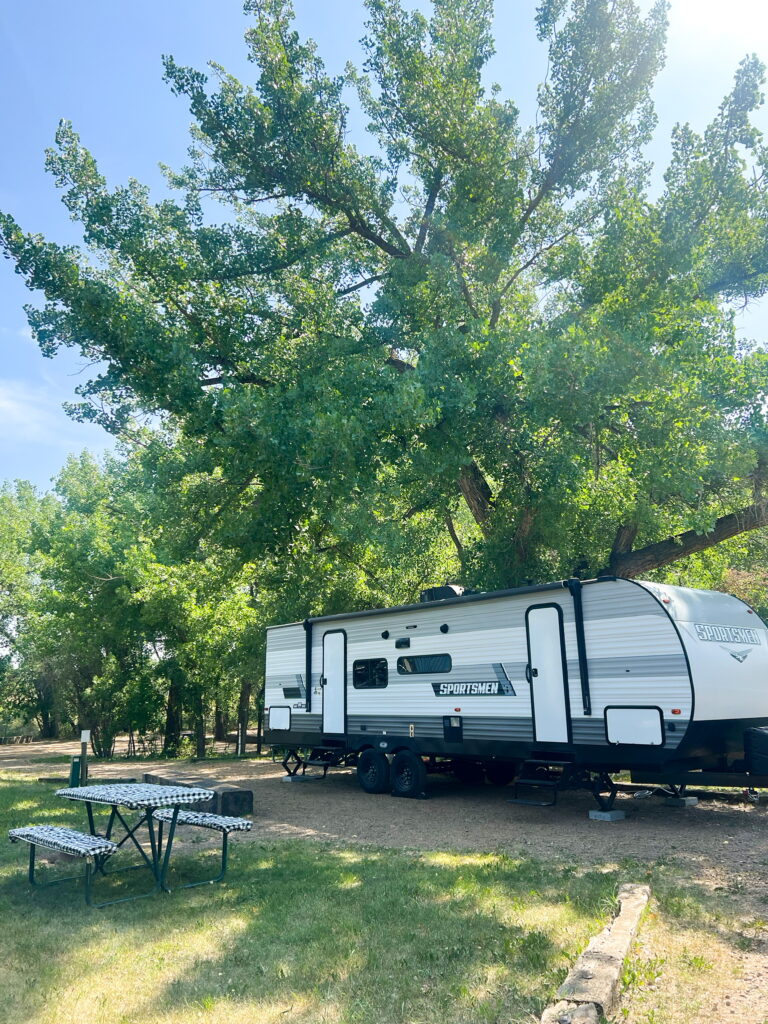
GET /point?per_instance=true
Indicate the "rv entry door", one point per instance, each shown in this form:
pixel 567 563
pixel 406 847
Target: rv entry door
pixel 334 681
pixel 547 674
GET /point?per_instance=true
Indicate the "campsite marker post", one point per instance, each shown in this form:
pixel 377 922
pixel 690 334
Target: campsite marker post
pixel 85 737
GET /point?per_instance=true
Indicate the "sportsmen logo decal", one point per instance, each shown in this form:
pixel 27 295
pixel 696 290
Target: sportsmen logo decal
pixel 501 686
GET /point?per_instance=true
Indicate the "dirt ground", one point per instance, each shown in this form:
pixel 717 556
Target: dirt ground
pixel 716 836
pixel 721 846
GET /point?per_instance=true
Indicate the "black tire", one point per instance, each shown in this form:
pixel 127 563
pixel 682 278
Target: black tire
pixel 408 774
pixel 469 773
pixel 500 773
pixel 373 771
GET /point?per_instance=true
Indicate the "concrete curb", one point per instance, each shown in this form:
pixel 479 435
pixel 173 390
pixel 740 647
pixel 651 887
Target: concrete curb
pixel 592 986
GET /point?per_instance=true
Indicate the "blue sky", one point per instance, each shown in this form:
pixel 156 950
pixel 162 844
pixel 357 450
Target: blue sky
pixel 98 64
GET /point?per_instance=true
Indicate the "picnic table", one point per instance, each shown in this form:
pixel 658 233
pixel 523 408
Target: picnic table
pixel 146 798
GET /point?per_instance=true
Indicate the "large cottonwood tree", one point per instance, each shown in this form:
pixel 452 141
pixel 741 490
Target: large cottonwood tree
pixel 488 325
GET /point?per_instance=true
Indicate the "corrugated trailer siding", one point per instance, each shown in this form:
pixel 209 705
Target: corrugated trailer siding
pixel 480 634
pixel 619 599
pixel 634 657
pixel 591 731
pixel 286 660
pixel 428 725
pixel 308 722
pixel 510 729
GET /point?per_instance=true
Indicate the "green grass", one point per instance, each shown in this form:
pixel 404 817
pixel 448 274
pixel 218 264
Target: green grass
pixel 301 932
pixel 310 933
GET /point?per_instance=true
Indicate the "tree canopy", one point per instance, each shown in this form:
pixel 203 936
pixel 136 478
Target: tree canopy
pixel 463 331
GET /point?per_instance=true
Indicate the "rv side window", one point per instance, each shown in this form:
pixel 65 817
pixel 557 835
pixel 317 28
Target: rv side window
pixel 370 674
pixel 413 664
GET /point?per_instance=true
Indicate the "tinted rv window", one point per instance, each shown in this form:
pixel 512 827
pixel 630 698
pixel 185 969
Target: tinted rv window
pixel 422 663
pixel 370 674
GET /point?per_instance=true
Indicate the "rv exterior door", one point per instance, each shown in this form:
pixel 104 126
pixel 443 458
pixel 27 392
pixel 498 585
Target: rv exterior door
pixel 334 681
pixel 547 674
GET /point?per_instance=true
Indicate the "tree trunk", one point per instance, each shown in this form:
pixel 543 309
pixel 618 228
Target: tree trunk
pixel 477 493
pixel 173 713
pixel 219 724
pixel 623 541
pixel 243 711
pixel 653 556
pixel 49 726
pixel 199 723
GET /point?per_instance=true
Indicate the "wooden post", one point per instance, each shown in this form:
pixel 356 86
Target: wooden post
pixel 85 737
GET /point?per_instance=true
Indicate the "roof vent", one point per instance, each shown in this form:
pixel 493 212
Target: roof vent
pixel 441 593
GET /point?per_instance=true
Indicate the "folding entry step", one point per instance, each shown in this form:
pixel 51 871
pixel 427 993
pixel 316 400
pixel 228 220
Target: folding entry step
pixel 540 780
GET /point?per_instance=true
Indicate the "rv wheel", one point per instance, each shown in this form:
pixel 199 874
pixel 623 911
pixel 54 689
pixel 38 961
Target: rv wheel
pixel 373 771
pixel 500 773
pixel 409 776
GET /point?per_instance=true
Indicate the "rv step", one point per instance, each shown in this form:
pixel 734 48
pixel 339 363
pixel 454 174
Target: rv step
pixel 548 785
pixel 538 763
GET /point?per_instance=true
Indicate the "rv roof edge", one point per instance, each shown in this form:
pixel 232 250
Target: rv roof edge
pixel 464 599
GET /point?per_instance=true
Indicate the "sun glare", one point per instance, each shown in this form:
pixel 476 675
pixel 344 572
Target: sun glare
pixel 713 21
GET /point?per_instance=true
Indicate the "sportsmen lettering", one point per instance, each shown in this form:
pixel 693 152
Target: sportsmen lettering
pixel 727 634
pixel 484 689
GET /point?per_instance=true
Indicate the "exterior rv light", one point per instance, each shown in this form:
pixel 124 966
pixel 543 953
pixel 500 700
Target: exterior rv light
pixel 385 635
pixel 444 628
pixel 676 711
pixel 666 600
pixel 457 709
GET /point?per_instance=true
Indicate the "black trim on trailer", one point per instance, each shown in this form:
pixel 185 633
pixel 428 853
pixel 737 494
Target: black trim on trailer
pixel 323 683
pixel 308 661
pixel 564 662
pixel 574 585
pixel 634 707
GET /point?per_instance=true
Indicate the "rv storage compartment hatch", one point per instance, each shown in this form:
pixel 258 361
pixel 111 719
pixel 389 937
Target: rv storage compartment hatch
pixel 638 726
pixel 279 718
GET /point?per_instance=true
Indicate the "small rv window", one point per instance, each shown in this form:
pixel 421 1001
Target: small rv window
pixel 370 674
pixel 423 663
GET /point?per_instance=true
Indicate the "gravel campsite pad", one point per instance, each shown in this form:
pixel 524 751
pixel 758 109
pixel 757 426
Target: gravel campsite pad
pixel 718 850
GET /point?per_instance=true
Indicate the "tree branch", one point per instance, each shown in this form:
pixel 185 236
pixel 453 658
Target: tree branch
pixel 359 285
pixel 246 378
pixel 429 209
pixel 631 563
pixel 453 535
pixel 399 364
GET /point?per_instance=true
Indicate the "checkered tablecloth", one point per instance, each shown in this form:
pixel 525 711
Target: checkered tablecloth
pixel 137 795
pixel 65 840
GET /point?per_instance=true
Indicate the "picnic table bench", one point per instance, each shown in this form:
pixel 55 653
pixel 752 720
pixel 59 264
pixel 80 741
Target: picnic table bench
pixel 201 819
pixel 93 849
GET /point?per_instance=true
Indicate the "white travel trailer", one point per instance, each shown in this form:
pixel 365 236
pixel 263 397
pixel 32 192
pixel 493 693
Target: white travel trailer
pixel 584 678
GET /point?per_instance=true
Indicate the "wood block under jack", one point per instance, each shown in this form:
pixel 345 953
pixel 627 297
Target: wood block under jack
pixel 607 815
pixel 681 801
